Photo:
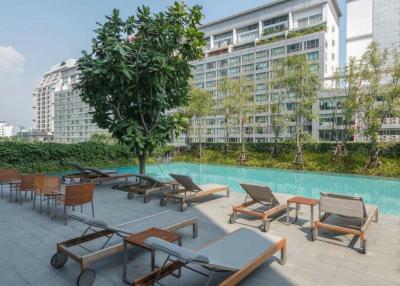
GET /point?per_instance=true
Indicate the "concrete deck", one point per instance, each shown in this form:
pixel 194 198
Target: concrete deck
pixel 28 240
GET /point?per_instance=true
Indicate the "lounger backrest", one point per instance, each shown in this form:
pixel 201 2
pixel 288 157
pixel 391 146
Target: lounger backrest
pixel 76 166
pixel 342 205
pixel 150 179
pixel 184 255
pixel 89 220
pixel 261 194
pixel 186 182
pixel 98 172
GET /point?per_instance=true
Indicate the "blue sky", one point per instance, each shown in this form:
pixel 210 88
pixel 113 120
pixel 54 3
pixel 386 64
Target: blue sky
pixel 34 35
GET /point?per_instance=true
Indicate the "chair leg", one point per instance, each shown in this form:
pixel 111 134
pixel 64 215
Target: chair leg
pixel 92 209
pixel 20 197
pixel 1 188
pixel 65 215
pixel 34 201
pixel 81 208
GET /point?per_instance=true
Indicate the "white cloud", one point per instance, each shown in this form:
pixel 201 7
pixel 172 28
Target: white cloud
pixel 11 61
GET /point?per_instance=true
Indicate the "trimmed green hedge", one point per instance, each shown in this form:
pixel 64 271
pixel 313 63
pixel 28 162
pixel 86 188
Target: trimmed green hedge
pixel 389 150
pixel 39 157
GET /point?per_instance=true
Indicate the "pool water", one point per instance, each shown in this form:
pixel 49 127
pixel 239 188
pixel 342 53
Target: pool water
pixel 379 191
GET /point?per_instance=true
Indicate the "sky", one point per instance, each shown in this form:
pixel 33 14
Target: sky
pixel 35 35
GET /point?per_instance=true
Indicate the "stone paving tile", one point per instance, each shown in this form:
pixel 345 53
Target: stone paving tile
pixel 28 240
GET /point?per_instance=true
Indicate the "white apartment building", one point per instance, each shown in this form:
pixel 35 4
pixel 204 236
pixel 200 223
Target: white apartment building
pixel 371 20
pixel 247 44
pixel 6 130
pixel 59 110
pixel 374 20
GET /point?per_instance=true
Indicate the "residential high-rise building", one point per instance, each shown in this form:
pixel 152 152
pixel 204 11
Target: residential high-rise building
pixel 6 130
pixel 371 20
pixel 249 43
pixel 59 110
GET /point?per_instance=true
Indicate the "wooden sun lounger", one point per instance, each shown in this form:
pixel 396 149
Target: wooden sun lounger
pixel 95 175
pixel 259 195
pixel 240 253
pixel 341 208
pixel 186 190
pixel 147 185
pixel 107 239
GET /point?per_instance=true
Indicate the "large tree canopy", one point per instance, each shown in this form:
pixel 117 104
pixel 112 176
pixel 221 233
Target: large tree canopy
pixel 138 72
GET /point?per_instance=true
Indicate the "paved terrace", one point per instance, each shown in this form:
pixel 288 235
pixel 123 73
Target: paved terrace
pixel 28 240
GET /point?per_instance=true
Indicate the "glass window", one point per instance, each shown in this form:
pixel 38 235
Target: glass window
pixel 261 54
pixel 222 63
pixel 261 66
pixel 313 56
pixel 315 19
pixel 303 22
pixel 248 67
pixel 294 48
pixel 314 67
pixel 261 76
pixel 248 57
pixel 276 20
pixel 211 75
pixel 312 44
pixel 210 84
pixel 222 72
pixel 234 70
pixel 210 65
pixel 277 51
pixel 234 60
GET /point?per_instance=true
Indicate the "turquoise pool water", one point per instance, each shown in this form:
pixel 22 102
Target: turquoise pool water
pixel 380 191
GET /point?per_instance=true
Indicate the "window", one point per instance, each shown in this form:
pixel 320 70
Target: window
pixel 277 51
pixel 260 119
pixel 275 29
pixel 312 44
pixel 234 70
pixel 316 19
pixel 260 87
pixel 314 67
pixel 199 77
pixel 248 68
pixel 261 66
pixel 210 65
pixel 222 63
pixel 294 48
pixel 333 29
pixel 210 75
pixel 313 56
pixel 248 57
pixel 276 20
pixel 261 98
pixel 248 28
pixel 249 77
pixel 261 76
pixel 223 72
pixel 333 56
pixel 261 54
pixel 200 85
pixel 234 60
pixel 303 22
pixel 210 84
pixel 333 43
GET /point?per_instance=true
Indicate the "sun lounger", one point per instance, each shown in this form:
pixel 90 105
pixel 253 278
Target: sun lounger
pixel 261 195
pixel 101 240
pixel 95 175
pixel 347 215
pixel 239 253
pixel 146 185
pixel 186 190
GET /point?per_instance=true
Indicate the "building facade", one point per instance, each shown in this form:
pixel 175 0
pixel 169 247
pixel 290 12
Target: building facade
pixel 6 130
pixel 371 20
pixel 249 43
pixel 59 110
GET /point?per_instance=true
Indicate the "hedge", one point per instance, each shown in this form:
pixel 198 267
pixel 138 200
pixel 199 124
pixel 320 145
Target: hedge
pixel 389 150
pixel 38 157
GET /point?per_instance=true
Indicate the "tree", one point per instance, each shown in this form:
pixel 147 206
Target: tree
pixel 379 95
pixel 348 84
pixel 301 83
pixel 278 123
pixel 138 71
pixel 201 105
pixel 229 89
pixel 244 108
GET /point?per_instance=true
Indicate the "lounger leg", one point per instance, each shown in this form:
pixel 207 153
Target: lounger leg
pixel 376 216
pixel 124 263
pixel 92 209
pixel 40 204
pixel 288 214
pixel 1 187
pixel 153 259
pixel 65 215
pixel 34 201
pixel 283 254
pixel 228 192
pixel 20 197
pixel 195 230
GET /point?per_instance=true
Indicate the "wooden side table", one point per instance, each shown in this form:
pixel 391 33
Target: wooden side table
pixel 301 201
pixel 138 240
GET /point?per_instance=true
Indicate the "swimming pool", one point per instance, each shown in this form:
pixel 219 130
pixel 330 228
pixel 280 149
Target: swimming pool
pixel 380 191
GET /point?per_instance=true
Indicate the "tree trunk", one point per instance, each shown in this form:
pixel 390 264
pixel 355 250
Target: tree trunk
pixel 242 155
pixel 142 162
pixel 340 151
pixel 200 151
pixel 226 148
pixel 298 161
pixel 274 150
pixel 374 160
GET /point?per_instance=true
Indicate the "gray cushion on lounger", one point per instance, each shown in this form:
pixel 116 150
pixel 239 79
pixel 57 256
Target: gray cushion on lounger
pixel 232 252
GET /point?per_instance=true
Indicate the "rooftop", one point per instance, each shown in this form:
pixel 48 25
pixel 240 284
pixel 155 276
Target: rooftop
pixel 28 241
